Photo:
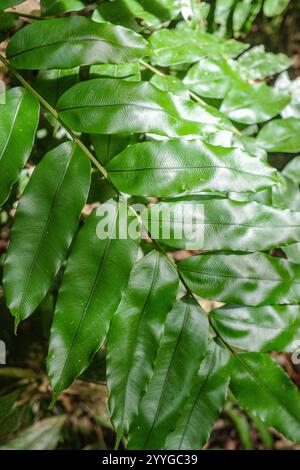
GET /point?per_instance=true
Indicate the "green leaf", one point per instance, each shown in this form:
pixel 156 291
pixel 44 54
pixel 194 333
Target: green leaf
pixel 240 14
pixel 130 71
pixel 116 13
pixel 255 9
pixel 261 386
pixel 212 78
pixel 113 106
pixel 43 435
pixel 204 403
pixel 126 11
pixel 292 170
pixel 280 135
pixel 135 334
pixel 9 3
pixel 275 7
pixel 176 166
pixel 266 328
pixel 221 224
pixel 46 220
pixel 292 252
pixel 257 64
pixel 150 12
pixel 19 118
pixel 249 144
pixel 65 43
pixel 179 46
pixel 222 11
pixel 171 84
pixel 53 7
pixel 286 195
pixel 98 271
pixel 250 279
pixel 252 104
pixel 185 337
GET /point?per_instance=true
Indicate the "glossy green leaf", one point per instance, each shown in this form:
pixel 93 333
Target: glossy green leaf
pixel 125 12
pixel 116 13
pixel 97 270
pixel 113 106
pixel 19 118
pixel 286 195
pixel 53 7
pixel 263 388
pixel 65 43
pixel 222 11
pixel 241 12
pixel 292 252
pixel 292 170
pixel 257 64
pixel 149 11
pixel 280 135
pixel 185 337
pixel 212 78
pixel 266 328
pixel 222 224
pixel 130 71
pixel 249 144
pixel 252 104
pixel 178 46
pixel 283 195
pixel 256 6
pixel 43 435
pixel 9 3
pixel 171 84
pixel 177 166
pixel 46 220
pixel 204 403
pixel 250 279
pixel 135 334
pixel 275 7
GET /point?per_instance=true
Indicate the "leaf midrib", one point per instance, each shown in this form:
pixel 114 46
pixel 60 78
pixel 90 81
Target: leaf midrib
pixel 181 168
pixel 67 41
pixel 292 281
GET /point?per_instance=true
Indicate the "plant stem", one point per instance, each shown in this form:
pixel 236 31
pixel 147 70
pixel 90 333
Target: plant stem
pixel 26 15
pixel 18 373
